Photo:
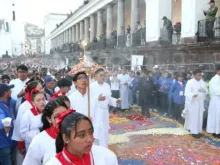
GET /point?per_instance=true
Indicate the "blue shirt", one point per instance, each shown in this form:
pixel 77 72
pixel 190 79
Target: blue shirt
pixel 7 109
pixel 178 92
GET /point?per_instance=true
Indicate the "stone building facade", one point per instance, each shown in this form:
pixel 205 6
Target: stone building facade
pixel 118 29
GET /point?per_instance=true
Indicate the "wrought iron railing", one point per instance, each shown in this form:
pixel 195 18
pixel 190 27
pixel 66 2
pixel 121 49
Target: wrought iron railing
pixel 122 40
pixel 208 30
pixel 101 44
pixel 138 38
pixel 111 43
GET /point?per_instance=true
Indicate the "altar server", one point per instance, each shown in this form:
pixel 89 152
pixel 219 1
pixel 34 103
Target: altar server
pixel 64 86
pixel 25 106
pixel 74 143
pixel 124 80
pixel 102 93
pixel 79 99
pixel 44 143
pixel 30 122
pixel 195 92
pixel 213 123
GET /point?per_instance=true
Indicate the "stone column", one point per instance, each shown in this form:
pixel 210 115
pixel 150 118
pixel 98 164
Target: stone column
pixel 73 34
pixel 109 21
pixel 121 17
pixel 99 24
pixel 86 26
pixel 191 14
pixel 62 38
pixel 155 10
pixel 81 31
pixel 92 28
pixel 67 36
pixel 70 35
pixel 77 32
pixel 135 14
pixel 59 40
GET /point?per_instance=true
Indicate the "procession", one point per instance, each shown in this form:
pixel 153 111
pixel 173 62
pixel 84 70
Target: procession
pixel 109 82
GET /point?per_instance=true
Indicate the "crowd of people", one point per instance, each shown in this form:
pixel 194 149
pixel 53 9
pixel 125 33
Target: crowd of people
pixel 47 119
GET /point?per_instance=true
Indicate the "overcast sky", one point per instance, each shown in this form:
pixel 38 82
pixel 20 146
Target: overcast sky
pixel 33 11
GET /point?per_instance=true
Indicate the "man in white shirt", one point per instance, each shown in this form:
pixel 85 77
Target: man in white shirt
pixel 114 85
pixel 124 80
pixel 20 82
pixel 195 93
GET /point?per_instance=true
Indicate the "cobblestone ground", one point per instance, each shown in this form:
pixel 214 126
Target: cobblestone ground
pixel 138 140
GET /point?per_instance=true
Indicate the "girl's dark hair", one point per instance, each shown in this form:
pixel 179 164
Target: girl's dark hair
pixel 63 98
pixel 31 85
pixel 67 125
pixel 48 111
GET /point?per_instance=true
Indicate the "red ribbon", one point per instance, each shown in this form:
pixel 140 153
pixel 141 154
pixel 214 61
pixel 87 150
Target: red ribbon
pixel 57 94
pixel 34 91
pixel 62 116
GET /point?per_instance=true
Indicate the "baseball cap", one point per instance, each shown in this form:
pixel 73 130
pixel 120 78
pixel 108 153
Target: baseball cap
pixel 4 88
pixel 211 1
pixel 48 79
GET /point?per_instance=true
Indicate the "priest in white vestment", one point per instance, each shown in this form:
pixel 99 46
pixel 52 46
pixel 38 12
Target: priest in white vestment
pixel 195 93
pixel 101 91
pixel 124 80
pixel 213 123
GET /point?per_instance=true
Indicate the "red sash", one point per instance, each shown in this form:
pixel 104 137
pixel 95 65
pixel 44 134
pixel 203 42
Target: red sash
pixel 35 111
pixel 66 158
pixel 52 132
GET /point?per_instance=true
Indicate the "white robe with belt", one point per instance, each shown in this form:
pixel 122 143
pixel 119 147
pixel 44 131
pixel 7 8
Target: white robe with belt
pixel 213 123
pixel 101 112
pixel 29 127
pixel 101 156
pixel 41 150
pixel 124 90
pixel 195 106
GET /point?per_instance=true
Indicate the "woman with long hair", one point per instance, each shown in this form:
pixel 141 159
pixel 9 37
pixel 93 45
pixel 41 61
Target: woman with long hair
pixel 25 106
pixel 74 143
pixel 30 122
pixel 44 143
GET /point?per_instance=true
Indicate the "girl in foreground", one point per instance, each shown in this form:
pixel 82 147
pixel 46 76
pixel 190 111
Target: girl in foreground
pixel 74 143
pixel 30 122
pixel 44 143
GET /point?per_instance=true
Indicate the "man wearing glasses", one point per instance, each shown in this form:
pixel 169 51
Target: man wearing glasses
pixel 79 99
pixel 20 82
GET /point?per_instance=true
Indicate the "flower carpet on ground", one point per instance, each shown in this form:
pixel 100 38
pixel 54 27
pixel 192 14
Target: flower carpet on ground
pixel 138 140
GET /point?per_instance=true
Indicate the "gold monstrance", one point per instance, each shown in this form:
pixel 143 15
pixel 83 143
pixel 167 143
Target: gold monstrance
pixel 87 65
